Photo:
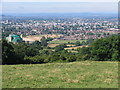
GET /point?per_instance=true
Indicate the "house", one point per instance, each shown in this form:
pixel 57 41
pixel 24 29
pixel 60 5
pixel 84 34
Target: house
pixel 14 38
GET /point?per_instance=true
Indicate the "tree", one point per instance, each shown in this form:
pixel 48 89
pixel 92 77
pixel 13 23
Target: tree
pixel 49 39
pixel 20 52
pixel 84 53
pixel 106 49
pixel 77 43
pixel 71 58
pixel 90 41
pixel 83 43
pixel 60 47
pixel 8 53
pixel 44 42
pixel 36 59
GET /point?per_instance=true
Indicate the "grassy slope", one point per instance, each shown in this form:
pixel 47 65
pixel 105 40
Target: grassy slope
pixel 62 75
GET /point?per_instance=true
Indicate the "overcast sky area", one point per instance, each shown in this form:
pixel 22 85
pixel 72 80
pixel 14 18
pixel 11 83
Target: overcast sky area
pixel 78 6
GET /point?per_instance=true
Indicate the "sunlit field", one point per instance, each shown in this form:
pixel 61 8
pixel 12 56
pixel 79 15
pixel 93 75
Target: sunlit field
pixel 84 74
pixel 65 41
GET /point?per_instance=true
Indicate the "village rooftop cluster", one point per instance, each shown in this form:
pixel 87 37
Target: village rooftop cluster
pixel 70 28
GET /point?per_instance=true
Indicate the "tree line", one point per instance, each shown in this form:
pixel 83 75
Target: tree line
pixel 105 49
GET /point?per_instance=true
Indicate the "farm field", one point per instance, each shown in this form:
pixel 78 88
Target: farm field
pixel 38 37
pixel 58 42
pixel 84 74
pixel 64 41
pixel 75 47
pixel 52 45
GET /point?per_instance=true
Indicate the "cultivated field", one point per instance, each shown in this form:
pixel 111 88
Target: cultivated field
pixel 84 74
pixel 64 41
pixel 38 37
pixel 52 45
pixel 75 47
pixel 55 43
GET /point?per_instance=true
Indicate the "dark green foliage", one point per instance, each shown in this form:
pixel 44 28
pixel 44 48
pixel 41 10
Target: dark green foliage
pixel 20 51
pixel 71 58
pixel 36 43
pixel 49 39
pixel 90 41
pixel 15 53
pixel 44 42
pixel 5 34
pixel 84 53
pixel 84 50
pixel 32 51
pixel 46 57
pixel 23 50
pixel 77 43
pixel 84 43
pixel 36 59
pixel 106 49
pixel 8 54
pixel 60 47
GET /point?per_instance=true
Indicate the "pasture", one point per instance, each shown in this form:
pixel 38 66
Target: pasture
pixel 64 41
pixel 84 74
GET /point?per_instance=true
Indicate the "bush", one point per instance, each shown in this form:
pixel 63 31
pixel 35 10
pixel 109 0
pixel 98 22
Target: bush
pixel 60 47
pixel 36 59
pixel 77 43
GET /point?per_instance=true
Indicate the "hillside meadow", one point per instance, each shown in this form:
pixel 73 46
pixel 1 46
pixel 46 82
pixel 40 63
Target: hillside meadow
pixel 84 74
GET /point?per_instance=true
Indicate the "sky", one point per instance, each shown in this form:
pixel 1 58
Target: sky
pixel 91 6
pixel 60 0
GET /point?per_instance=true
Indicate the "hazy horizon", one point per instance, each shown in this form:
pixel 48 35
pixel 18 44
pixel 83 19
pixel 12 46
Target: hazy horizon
pixel 59 7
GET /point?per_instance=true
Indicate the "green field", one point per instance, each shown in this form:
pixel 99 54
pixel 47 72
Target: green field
pixel 84 74
pixel 64 41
